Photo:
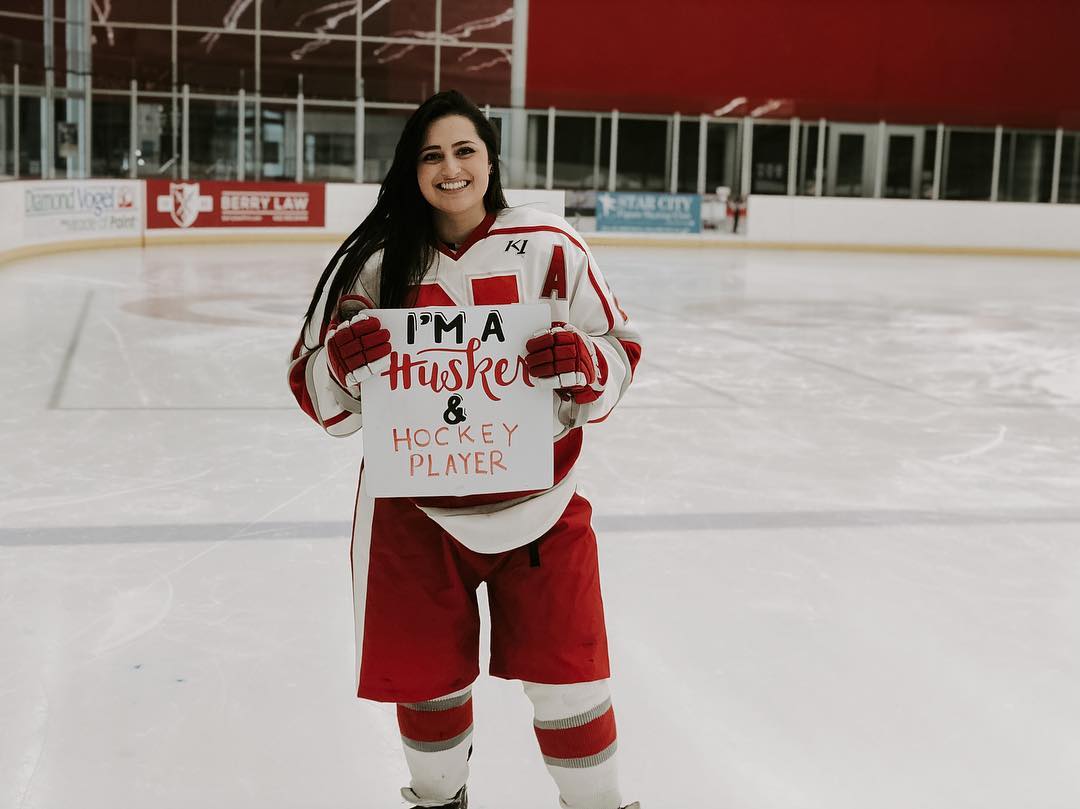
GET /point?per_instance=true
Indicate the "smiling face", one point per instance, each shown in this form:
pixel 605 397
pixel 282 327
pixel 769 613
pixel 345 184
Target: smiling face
pixel 452 170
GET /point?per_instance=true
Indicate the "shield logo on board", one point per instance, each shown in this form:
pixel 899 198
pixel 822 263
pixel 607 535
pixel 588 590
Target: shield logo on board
pixel 185 203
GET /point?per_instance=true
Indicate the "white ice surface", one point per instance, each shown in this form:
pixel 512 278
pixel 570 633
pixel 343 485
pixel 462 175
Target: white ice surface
pixel 840 535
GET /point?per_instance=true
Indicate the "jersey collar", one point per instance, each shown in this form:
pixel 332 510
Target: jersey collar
pixel 478 233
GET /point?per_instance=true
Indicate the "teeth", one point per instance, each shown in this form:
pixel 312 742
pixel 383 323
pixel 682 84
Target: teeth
pixel 454 186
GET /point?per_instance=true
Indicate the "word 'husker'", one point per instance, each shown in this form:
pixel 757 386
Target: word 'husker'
pixel 460 371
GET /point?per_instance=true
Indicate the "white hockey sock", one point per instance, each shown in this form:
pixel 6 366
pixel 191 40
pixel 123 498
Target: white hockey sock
pixel 437 737
pixel 575 726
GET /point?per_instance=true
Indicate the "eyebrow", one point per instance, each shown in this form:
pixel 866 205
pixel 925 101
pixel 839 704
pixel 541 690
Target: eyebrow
pixel 459 143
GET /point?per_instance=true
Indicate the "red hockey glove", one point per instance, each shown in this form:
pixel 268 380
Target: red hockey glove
pixel 354 350
pixel 566 359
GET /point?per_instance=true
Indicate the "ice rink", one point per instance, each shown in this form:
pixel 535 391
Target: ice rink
pixel 839 515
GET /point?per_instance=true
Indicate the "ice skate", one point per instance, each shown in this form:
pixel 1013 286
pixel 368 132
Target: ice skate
pixel 459 801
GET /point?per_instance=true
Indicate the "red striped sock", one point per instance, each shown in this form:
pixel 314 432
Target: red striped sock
pixel 437 724
pixel 579 741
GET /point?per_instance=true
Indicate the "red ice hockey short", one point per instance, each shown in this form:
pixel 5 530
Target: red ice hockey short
pixel 418 627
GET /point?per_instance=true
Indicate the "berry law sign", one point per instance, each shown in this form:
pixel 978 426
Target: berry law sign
pixel 453 411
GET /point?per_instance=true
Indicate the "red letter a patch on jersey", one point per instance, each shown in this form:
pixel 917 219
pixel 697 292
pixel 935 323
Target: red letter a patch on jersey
pixel 556 276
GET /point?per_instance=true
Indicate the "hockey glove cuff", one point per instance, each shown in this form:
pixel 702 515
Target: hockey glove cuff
pixel 566 359
pixel 355 350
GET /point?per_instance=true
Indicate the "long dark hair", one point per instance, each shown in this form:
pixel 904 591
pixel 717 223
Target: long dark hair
pixel 401 223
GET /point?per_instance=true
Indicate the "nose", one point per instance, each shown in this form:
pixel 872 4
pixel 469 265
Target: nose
pixel 451 166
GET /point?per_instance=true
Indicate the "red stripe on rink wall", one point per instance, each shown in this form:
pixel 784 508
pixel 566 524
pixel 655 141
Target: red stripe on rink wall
pixel 216 204
pixel 580 742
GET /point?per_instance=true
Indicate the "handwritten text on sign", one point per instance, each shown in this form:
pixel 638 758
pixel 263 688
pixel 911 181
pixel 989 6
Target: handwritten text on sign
pixel 455 412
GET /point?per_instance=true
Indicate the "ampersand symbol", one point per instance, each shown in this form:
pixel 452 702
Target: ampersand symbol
pixel 455 414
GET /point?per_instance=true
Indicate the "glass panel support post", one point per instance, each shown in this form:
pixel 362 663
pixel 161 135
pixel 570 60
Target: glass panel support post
pixel 702 151
pixel 3 141
pixel 174 123
pixel 48 107
pixel 1055 184
pixel 549 180
pixel 78 85
pixel 257 131
pixel 879 161
pixel 133 129
pixel 519 119
pixel 88 123
pixel 747 156
pixel 597 131
pixel 300 132
pixel 676 125
pixel 16 146
pixel 939 154
pixel 358 129
pixel 438 42
pixel 241 169
pixel 793 156
pixel 819 165
pixel 995 176
pixel 358 143
pixel 185 135
pixel 613 157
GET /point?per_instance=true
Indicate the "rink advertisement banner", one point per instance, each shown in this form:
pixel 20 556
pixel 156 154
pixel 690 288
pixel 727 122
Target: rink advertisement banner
pixel 81 209
pixel 648 213
pixel 215 204
pixel 453 411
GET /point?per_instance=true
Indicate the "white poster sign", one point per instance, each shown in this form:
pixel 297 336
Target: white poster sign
pixel 455 413
pixel 81 209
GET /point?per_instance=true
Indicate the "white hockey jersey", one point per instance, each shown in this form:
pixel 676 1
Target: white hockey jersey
pixel 520 255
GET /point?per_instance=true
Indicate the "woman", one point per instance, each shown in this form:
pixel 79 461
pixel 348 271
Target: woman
pixel 442 234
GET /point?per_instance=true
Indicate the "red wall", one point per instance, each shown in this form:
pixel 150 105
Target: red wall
pixel 919 61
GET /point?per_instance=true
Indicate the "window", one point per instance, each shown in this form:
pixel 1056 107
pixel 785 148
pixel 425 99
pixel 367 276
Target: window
pixel 576 152
pixel 722 156
pixel 111 142
pixel 968 164
pixel 382 128
pixel 482 74
pixel 398 73
pixel 216 62
pixel 1027 166
pixel 1069 186
pixel 769 162
pixel 329 145
pixel 689 134
pixel 328 67
pixel 644 155
pixel 212 129
pixel 536 151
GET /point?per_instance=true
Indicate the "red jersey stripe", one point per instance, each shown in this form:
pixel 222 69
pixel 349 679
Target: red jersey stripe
pixel 478 233
pixel 592 278
pixel 298 384
pixel 633 353
pixel 340 417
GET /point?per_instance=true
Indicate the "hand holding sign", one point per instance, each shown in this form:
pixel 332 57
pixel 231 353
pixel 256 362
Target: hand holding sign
pixel 353 349
pixel 565 359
